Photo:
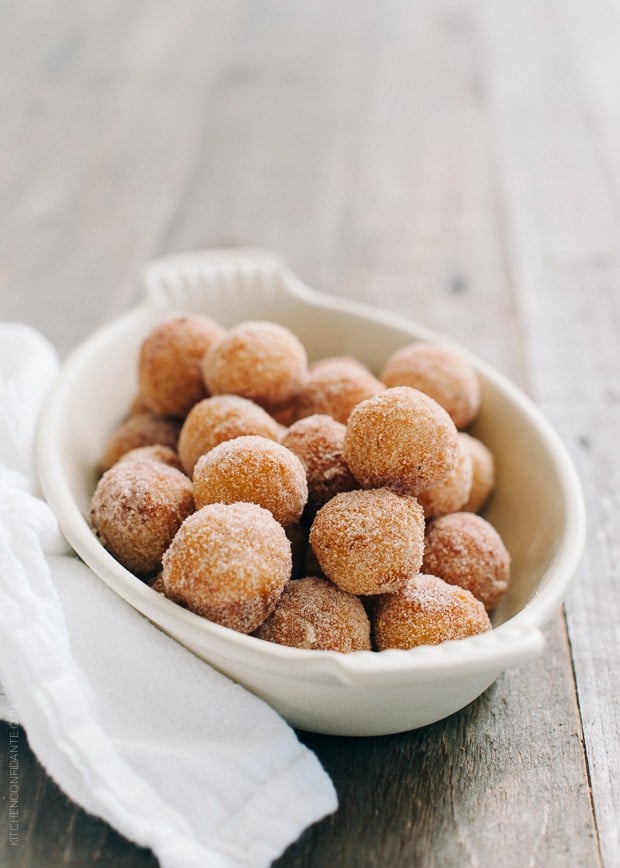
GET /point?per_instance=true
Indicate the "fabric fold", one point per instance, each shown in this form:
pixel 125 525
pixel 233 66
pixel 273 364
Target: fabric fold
pixel 130 724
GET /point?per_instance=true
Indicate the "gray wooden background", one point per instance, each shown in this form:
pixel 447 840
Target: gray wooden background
pixel 457 161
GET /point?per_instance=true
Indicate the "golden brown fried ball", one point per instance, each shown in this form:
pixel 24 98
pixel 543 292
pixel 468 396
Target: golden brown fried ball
pixel 255 470
pixel 222 417
pixel 440 373
pixel 451 493
pixel 400 438
pixel 137 508
pixel 144 429
pixel 157 452
pixel 318 442
pixel 464 549
pixel 369 542
pixel 335 386
pixel 426 611
pixel 262 361
pixel 314 613
pixel 169 363
pixel 483 481
pixel 228 563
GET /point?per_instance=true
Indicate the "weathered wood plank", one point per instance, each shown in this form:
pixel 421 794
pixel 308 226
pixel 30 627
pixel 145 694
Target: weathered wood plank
pixel 52 830
pixel 563 234
pixel 466 791
pixel 105 104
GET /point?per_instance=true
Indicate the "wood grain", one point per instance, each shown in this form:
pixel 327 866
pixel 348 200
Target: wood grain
pixel 564 241
pixel 454 161
pixel 106 104
pixel 452 800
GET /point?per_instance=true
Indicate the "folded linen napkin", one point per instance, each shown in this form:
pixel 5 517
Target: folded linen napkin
pixel 130 724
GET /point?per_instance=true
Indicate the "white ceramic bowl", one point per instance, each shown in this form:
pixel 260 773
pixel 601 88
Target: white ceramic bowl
pixel 537 508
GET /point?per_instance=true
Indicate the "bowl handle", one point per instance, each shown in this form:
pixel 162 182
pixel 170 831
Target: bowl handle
pixel 199 279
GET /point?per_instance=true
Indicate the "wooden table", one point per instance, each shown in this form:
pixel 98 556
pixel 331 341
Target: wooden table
pixel 453 160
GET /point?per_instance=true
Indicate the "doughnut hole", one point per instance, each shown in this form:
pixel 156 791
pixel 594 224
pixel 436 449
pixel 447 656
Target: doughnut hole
pixel 228 563
pixel 262 361
pixel 254 470
pixel 143 429
pixel 169 362
pixel 441 374
pixel 157 452
pixel 223 417
pixel 335 386
pixel 318 443
pixel 426 611
pixel 401 438
pixel 369 542
pixel 451 493
pixel 314 613
pixel 464 549
pixel 137 508
pixel 483 477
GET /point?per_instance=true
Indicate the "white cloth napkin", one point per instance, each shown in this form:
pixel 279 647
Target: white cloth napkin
pixel 131 725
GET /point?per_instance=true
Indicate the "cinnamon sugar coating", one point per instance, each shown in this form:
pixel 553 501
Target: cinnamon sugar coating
pixel 369 542
pixel 335 386
pixel 265 492
pixel 262 361
pixel 255 470
pixel 483 479
pixel 318 443
pixel 220 418
pixel 427 611
pixel 156 452
pixel 228 563
pixel 143 429
pixel 400 438
pixel 451 493
pixel 169 363
pixel 137 508
pixel 464 549
pixel 314 613
pixel 440 373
